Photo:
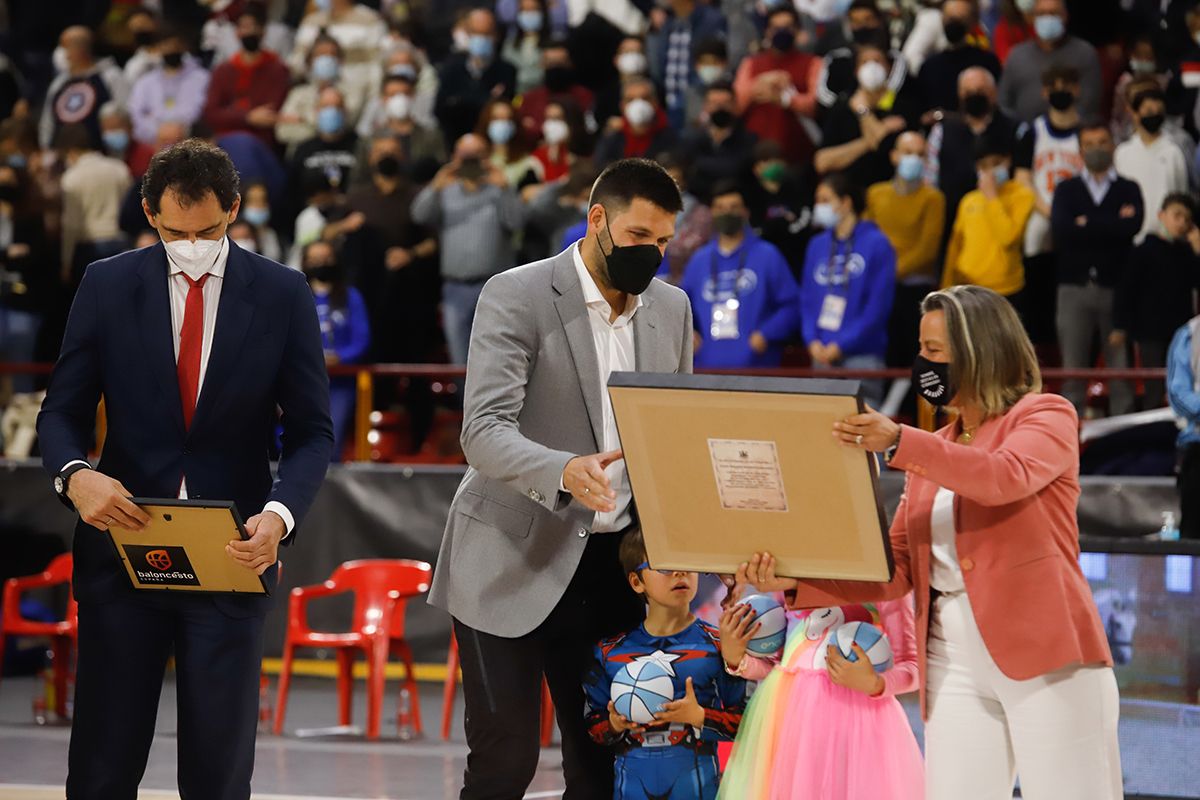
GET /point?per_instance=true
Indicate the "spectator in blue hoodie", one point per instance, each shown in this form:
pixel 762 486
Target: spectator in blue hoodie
pixel 744 298
pixel 848 284
pixel 1183 389
pixel 345 332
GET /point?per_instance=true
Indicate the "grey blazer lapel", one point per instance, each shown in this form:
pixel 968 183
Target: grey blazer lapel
pixel 645 337
pixel 573 314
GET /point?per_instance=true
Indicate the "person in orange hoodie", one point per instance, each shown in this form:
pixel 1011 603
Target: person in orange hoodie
pixel 1016 672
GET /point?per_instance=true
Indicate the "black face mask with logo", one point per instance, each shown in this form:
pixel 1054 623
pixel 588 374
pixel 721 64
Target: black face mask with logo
pixel 631 267
pixel 932 381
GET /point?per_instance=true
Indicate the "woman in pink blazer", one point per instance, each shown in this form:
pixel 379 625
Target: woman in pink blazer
pixel 1016 672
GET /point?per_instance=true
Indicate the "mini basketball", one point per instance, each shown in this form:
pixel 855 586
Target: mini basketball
pixel 870 639
pixel 770 614
pixel 640 689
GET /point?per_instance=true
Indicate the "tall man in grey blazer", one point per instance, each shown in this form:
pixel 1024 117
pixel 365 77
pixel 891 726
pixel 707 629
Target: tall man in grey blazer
pixel 528 566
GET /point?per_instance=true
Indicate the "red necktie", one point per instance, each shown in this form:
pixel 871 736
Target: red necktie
pixel 191 341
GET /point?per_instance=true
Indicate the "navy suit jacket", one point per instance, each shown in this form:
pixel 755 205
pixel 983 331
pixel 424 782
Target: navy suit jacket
pixel 119 345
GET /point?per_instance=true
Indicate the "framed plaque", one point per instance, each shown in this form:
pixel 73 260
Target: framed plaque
pixel 183 549
pixel 725 466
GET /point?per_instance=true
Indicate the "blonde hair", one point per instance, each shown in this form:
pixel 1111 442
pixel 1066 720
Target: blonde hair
pixel 992 361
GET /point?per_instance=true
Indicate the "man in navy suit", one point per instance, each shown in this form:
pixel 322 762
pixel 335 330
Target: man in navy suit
pixel 194 344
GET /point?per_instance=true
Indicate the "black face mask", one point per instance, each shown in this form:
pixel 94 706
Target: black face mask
pixel 1153 123
pixel 729 224
pixel 143 38
pixel 870 35
pixel 326 273
pixel 388 166
pixel 721 118
pixel 173 60
pixel 251 43
pixel 977 105
pixel 559 79
pixel 955 30
pixel 8 193
pixel 1061 99
pixel 783 40
pixel 632 267
pixel 932 380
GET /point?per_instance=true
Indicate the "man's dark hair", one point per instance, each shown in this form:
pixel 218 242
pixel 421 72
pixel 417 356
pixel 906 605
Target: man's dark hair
pixel 727 186
pixel 190 170
pixel 72 137
pixel 711 46
pixel 1093 124
pixel 865 5
pixel 257 10
pixel 632 551
pixel 843 186
pixel 628 179
pixel 789 10
pixel 993 143
pixel 1060 73
pixel 1180 199
pixel 1147 94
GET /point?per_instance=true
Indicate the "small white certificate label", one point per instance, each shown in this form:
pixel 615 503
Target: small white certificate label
pixel 748 475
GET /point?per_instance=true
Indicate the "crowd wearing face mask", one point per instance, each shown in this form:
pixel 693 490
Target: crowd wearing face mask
pixel 838 159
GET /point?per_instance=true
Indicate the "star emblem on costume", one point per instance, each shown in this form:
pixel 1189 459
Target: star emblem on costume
pixel 660 658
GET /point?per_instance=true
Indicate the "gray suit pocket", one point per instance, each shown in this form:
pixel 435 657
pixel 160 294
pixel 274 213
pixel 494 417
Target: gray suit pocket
pixel 492 512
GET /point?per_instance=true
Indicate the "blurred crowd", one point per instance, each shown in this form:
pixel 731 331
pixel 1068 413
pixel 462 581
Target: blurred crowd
pixel 838 158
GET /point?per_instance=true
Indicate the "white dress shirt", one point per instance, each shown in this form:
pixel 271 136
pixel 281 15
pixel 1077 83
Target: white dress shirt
pixel 1098 187
pixel 614 352
pixel 178 287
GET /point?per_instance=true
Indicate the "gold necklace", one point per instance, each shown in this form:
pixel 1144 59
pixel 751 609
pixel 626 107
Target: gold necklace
pixel 968 435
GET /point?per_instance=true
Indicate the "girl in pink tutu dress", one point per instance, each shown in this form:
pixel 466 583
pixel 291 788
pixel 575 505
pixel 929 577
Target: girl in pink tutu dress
pixel 821 727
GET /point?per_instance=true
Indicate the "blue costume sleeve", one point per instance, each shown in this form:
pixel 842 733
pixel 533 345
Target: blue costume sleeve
pixel 597 691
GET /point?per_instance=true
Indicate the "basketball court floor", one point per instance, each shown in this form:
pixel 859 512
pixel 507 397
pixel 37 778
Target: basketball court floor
pixel 1158 743
pixel 33 759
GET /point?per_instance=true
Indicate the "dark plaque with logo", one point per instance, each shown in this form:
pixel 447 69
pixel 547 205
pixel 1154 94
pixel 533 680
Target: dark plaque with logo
pixel 165 566
pixel 183 549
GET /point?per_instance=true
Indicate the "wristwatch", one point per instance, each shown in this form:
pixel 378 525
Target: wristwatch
pixel 61 481
pixel 890 453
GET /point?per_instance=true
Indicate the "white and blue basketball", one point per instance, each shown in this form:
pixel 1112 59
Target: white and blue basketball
pixel 869 638
pixel 640 689
pixel 771 616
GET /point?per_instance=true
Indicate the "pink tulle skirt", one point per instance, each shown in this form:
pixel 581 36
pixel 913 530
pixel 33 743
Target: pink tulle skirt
pixel 834 743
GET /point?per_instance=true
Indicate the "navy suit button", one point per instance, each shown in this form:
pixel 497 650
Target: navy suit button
pixel 582 533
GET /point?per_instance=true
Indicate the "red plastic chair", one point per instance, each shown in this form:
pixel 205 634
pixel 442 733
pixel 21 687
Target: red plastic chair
pixel 63 635
pixel 450 689
pixel 382 588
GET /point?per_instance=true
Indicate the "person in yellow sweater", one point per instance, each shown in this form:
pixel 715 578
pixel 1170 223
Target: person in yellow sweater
pixel 912 215
pixel 985 244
